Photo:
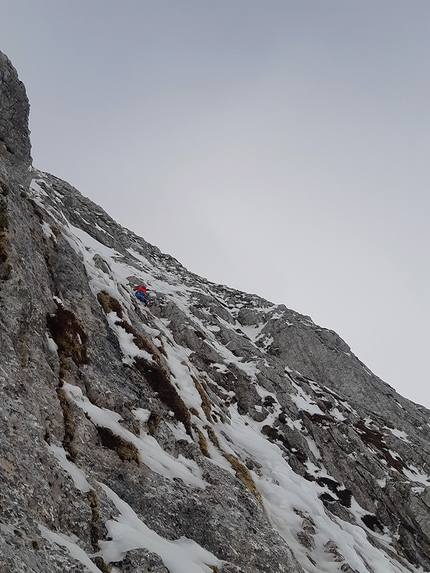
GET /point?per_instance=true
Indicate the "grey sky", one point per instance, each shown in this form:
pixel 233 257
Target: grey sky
pixel 279 147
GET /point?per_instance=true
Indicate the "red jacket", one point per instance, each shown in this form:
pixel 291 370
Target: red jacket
pixel 141 288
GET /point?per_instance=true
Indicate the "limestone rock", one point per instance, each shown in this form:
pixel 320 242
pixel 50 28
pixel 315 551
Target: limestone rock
pixel 14 133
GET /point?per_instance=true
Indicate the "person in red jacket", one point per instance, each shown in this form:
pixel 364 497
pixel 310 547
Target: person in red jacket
pixel 141 294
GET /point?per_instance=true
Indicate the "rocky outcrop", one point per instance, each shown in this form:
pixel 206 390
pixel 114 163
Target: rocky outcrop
pixel 211 431
pixel 14 133
pixel 15 159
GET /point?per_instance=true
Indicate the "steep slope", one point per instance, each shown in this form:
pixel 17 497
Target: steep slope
pixel 210 431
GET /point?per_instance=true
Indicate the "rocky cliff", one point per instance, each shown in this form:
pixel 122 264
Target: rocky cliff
pixel 211 431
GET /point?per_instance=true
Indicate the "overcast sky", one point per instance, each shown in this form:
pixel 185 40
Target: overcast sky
pixel 281 147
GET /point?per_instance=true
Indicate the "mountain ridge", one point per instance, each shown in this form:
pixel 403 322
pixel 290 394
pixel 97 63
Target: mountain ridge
pixel 211 431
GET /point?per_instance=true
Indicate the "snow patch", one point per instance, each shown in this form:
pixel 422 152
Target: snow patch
pixel 76 474
pixel 70 544
pixel 152 453
pixel 51 343
pixel 414 474
pixel 141 414
pixel 126 341
pixel 47 231
pixel 304 402
pixel 399 434
pixel 128 532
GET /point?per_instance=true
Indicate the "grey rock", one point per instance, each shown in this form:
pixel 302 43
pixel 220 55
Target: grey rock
pixel 14 133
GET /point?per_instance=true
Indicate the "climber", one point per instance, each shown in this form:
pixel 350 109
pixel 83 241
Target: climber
pixel 141 294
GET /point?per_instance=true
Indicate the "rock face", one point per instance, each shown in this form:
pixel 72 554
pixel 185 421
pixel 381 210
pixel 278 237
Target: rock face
pixel 210 431
pixel 14 133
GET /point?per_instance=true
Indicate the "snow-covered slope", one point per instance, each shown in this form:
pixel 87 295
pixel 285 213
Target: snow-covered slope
pixel 209 431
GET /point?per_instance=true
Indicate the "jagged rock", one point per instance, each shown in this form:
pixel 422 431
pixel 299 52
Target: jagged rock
pixel 210 431
pixel 14 133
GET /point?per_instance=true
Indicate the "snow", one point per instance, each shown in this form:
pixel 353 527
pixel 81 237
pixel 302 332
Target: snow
pixel 252 331
pixel 221 368
pixel 304 402
pixel 183 371
pixel 151 452
pixel 51 343
pixel 140 258
pixel 36 191
pixel 179 432
pixel 102 230
pixel 312 446
pixel 128 532
pixel 266 341
pixel 47 231
pixel 141 414
pixel 399 434
pixel 337 415
pixel 70 544
pixel 414 474
pixel 126 342
pixel 76 474
pixel 284 493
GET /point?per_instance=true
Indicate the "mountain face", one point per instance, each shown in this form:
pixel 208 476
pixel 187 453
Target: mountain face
pixel 211 431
